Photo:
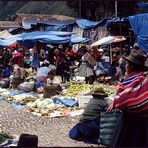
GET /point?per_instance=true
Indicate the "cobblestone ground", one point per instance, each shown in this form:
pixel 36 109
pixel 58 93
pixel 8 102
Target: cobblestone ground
pixel 51 132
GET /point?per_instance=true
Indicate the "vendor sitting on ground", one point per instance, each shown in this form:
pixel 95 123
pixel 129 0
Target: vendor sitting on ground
pixel 42 73
pixel 52 79
pixel 18 76
pixel 87 129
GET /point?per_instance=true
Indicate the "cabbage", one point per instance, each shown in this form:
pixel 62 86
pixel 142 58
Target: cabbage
pixel 38 100
pixel 48 101
pixel 42 106
pixel 39 104
pixel 50 106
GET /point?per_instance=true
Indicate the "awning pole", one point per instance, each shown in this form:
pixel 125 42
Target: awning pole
pixel 116 9
pixel 80 7
pixel 110 53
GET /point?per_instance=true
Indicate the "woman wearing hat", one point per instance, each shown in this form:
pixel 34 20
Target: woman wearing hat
pixel 87 68
pixel 88 128
pixel 132 96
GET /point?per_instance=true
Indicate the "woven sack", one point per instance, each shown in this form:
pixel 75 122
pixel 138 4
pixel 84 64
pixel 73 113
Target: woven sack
pixel 108 122
pixel 49 91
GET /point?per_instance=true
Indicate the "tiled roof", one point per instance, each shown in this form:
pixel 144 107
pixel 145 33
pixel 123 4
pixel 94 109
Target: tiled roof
pixel 43 17
pixel 9 24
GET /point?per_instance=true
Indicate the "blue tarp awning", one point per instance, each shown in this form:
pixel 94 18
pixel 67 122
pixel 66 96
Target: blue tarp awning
pixel 82 23
pixel 143 6
pixel 55 37
pixel 76 40
pixel 27 24
pixel 86 24
pixel 34 35
pixel 54 40
pixel 73 40
pixel 139 24
pixel 117 19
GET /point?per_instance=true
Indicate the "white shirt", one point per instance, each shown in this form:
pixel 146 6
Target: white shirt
pixel 56 80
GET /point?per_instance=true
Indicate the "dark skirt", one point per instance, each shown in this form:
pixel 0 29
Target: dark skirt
pixel 60 70
pixel 87 131
pixel 131 131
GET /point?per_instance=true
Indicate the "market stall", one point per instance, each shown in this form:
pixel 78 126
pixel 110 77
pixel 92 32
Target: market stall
pixel 70 102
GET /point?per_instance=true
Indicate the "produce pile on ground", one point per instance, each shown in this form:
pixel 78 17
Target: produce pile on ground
pixel 79 89
pixel 84 89
pixel 47 107
pixel 21 98
pixel 67 102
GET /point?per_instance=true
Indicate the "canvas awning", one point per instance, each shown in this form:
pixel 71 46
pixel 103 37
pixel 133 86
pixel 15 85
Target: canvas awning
pixel 109 40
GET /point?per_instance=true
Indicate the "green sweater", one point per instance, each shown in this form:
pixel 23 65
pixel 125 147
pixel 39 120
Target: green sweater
pixel 93 109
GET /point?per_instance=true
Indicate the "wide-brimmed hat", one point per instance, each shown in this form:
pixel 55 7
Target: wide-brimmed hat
pixel 99 92
pixel 137 57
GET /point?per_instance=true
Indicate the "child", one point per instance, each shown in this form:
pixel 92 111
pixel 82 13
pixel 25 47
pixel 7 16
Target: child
pixel 52 79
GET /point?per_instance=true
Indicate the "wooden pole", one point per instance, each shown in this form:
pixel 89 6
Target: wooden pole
pixel 116 9
pixel 80 8
pixel 110 54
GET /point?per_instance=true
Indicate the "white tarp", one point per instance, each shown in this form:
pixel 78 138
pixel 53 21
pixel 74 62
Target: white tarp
pixel 108 40
pixel 4 34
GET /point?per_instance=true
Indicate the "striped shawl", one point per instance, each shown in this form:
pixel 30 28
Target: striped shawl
pixel 132 94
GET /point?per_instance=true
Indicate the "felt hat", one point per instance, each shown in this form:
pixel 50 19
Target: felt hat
pixel 27 140
pixel 99 92
pixel 138 57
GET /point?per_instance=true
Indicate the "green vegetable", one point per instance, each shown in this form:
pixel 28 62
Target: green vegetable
pixel 4 136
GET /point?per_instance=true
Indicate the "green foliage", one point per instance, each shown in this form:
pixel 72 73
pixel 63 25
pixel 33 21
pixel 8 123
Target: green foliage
pixel 4 136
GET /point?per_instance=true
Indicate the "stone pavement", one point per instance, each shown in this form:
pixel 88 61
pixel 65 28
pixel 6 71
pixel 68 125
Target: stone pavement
pixel 51 132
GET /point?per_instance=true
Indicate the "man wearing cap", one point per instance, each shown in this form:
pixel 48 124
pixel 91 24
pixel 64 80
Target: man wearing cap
pixel 88 128
pixel 132 99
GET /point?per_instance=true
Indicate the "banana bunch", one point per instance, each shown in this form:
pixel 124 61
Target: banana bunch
pixel 78 89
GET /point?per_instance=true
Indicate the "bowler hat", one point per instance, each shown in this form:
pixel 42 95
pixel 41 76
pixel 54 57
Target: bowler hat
pixel 99 92
pixel 137 57
pixel 27 140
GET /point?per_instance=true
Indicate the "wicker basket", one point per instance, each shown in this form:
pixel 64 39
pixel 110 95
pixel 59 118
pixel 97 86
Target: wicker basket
pixel 49 91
